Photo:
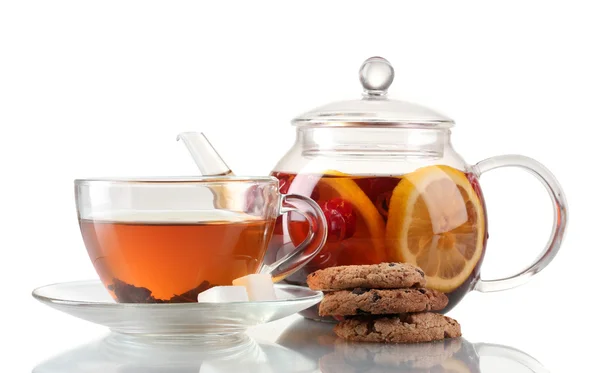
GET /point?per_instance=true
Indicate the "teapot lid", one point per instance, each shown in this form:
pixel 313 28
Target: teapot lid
pixel 375 108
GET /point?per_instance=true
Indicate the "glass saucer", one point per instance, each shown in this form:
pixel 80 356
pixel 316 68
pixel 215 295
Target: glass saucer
pixel 214 322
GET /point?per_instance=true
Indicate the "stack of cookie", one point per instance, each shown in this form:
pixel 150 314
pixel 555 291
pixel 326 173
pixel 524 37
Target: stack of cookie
pixel 385 302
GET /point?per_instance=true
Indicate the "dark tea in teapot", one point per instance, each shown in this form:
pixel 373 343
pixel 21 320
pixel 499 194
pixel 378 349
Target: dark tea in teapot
pixel 433 217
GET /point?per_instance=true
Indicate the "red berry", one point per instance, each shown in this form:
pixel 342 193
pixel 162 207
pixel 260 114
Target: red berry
pixel 285 181
pixel 341 219
pixel 381 186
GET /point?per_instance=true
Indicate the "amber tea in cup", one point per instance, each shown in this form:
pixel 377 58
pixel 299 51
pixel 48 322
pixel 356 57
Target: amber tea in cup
pixel 114 245
pixel 167 240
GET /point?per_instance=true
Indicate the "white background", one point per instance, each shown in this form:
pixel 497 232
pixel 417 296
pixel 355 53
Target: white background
pixel 90 88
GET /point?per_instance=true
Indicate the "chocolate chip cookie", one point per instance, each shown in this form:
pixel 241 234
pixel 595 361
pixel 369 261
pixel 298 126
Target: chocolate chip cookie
pixel 377 276
pixel 407 328
pixel 379 302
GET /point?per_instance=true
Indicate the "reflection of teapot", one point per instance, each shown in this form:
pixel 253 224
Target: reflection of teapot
pixel 450 356
pixel 394 189
pixel 316 341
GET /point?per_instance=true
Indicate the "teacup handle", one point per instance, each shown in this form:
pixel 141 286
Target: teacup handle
pixel 559 204
pixel 306 250
pixel 493 350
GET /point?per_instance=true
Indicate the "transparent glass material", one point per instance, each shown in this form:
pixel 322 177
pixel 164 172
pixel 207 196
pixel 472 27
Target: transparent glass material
pixel 216 325
pixel 393 188
pixel 165 240
pixel 302 347
pixel 375 108
pixel 207 159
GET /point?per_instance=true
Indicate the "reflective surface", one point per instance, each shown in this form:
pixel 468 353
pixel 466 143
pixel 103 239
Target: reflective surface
pixel 303 346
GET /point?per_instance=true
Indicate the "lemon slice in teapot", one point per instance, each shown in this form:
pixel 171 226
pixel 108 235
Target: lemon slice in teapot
pixel 436 221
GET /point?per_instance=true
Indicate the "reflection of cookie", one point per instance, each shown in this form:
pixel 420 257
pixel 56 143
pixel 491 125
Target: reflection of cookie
pixel 378 302
pixel 376 276
pixel 416 355
pixel 331 363
pixel 407 328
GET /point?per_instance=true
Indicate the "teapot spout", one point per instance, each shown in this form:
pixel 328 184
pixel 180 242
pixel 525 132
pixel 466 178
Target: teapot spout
pixel 205 156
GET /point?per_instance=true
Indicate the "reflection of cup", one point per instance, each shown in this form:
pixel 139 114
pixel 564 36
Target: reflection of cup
pixel 164 240
pixel 122 354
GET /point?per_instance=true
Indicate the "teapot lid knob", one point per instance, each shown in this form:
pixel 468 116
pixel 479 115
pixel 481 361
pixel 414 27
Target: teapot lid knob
pixel 376 75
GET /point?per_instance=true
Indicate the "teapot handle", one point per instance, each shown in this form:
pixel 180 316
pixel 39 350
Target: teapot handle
pixel 559 203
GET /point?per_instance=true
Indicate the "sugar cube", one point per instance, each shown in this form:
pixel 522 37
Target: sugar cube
pixel 220 294
pixel 259 286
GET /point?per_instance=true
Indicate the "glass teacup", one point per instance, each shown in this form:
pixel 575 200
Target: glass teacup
pixel 164 240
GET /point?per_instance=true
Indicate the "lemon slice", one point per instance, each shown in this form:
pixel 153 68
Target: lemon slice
pixel 436 221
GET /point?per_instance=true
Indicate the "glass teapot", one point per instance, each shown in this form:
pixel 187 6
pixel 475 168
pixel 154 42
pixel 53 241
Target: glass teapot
pixel 394 189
